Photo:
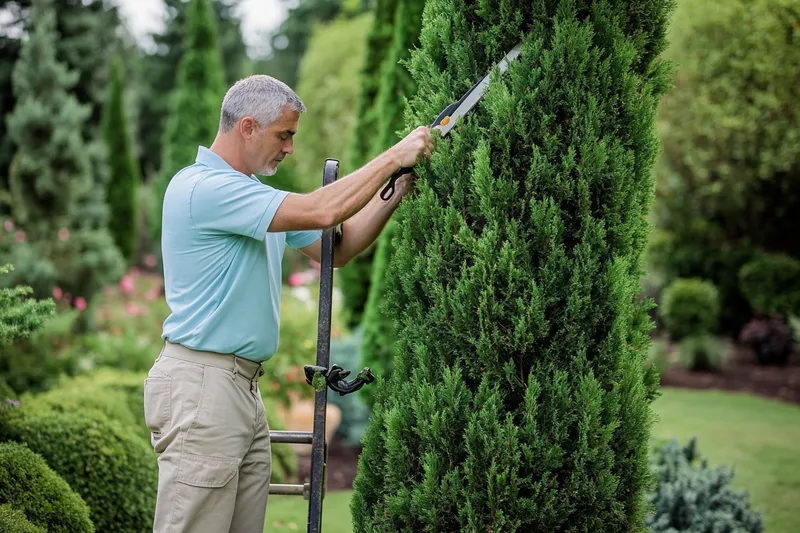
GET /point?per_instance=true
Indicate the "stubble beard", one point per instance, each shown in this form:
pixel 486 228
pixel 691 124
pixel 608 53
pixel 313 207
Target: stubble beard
pixel 269 170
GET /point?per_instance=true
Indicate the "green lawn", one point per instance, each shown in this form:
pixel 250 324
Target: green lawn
pixel 758 437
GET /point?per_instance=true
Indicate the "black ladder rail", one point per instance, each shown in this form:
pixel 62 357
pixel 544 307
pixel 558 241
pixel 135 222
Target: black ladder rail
pixel 325 377
pixel 319 446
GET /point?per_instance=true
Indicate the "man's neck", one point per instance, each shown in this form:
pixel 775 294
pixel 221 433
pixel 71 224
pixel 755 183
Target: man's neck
pixel 231 153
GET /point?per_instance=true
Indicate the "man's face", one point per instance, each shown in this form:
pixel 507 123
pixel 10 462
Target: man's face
pixel 268 146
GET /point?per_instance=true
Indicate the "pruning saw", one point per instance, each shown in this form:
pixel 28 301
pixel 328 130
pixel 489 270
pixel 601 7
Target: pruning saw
pixel 449 116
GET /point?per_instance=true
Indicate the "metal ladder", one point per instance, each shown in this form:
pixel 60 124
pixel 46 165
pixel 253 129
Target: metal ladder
pixel 321 377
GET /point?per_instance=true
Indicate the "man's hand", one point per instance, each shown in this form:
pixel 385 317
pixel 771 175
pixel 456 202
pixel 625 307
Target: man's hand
pixel 413 147
pixel 404 185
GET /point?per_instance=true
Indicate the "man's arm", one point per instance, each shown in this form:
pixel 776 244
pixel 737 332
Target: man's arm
pixel 360 231
pixel 332 205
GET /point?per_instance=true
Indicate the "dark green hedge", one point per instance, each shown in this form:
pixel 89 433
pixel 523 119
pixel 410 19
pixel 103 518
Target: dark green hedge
pixel 29 487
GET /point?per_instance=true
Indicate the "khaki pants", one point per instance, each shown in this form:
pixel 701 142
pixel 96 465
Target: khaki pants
pixel 207 423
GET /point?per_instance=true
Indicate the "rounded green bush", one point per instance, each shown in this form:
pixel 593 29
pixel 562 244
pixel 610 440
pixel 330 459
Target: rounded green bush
pixel 32 494
pixel 113 470
pixel 113 394
pixel 13 521
pixel 771 283
pixel 690 306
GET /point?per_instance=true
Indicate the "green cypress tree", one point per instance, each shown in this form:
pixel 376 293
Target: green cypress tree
pixel 354 278
pixel 378 337
pixel 195 102
pixel 123 184
pixel 385 88
pixel 379 42
pixel 518 401
pixel 56 238
pixel 397 86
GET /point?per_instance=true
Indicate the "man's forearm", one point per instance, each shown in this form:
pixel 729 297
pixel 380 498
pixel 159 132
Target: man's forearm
pixel 360 231
pixel 348 196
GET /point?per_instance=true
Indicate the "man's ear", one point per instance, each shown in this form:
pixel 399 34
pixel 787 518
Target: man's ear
pixel 248 127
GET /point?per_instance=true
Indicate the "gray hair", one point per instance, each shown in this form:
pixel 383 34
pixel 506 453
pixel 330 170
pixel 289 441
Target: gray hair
pixel 259 96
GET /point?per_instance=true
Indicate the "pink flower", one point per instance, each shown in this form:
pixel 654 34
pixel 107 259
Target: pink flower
pixel 9 225
pixel 150 261
pixel 20 236
pixel 57 293
pixel 296 279
pixel 63 234
pixel 132 309
pixel 126 284
pixel 80 303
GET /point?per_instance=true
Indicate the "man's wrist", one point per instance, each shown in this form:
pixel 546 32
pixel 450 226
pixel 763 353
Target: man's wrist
pixel 393 159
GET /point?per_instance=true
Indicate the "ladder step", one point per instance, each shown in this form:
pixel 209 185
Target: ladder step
pixel 303 490
pixel 291 437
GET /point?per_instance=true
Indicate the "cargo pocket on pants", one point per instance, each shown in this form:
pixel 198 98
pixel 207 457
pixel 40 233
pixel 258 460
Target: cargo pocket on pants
pixel 157 402
pixel 207 471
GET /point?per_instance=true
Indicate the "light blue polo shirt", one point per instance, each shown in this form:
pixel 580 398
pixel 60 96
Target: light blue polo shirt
pixel 222 270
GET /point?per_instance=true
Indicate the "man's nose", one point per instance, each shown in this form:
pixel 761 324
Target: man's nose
pixel 288 148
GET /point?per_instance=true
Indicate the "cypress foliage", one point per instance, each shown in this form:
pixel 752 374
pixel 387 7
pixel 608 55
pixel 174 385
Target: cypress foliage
pixel 354 279
pixel 376 346
pixel 196 100
pixel 396 83
pixel 385 86
pixel 55 237
pixel 396 87
pixel 379 41
pixel 518 401
pixel 124 178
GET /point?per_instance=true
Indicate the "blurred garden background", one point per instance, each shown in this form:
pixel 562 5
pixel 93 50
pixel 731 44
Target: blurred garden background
pixel 94 124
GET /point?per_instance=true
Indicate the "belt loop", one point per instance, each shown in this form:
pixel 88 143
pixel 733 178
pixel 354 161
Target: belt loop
pixel 235 366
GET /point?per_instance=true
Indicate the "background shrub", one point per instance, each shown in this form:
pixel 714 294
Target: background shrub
pixel 35 363
pixel 112 470
pixel 771 284
pixel 28 485
pixel 12 521
pixel 690 306
pixel 693 498
pixel 728 180
pixel 106 394
pixel 770 338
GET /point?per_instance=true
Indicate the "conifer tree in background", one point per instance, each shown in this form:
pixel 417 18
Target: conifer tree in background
pixel 379 41
pixel 158 76
pixel 195 102
pixel 124 178
pixel 329 87
pixel 354 279
pixel 518 401
pixel 50 239
pixel 396 88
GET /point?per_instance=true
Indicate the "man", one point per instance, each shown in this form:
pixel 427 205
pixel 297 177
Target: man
pixel 223 238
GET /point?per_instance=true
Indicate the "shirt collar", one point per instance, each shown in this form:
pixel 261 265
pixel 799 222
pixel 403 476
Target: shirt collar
pixel 213 160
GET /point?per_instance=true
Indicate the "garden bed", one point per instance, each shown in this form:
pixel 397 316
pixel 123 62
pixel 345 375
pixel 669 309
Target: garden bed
pixel 342 465
pixel 741 373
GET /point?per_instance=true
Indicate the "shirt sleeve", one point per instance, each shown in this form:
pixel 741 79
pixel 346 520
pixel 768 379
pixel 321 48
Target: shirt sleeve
pixel 229 203
pixel 301 239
